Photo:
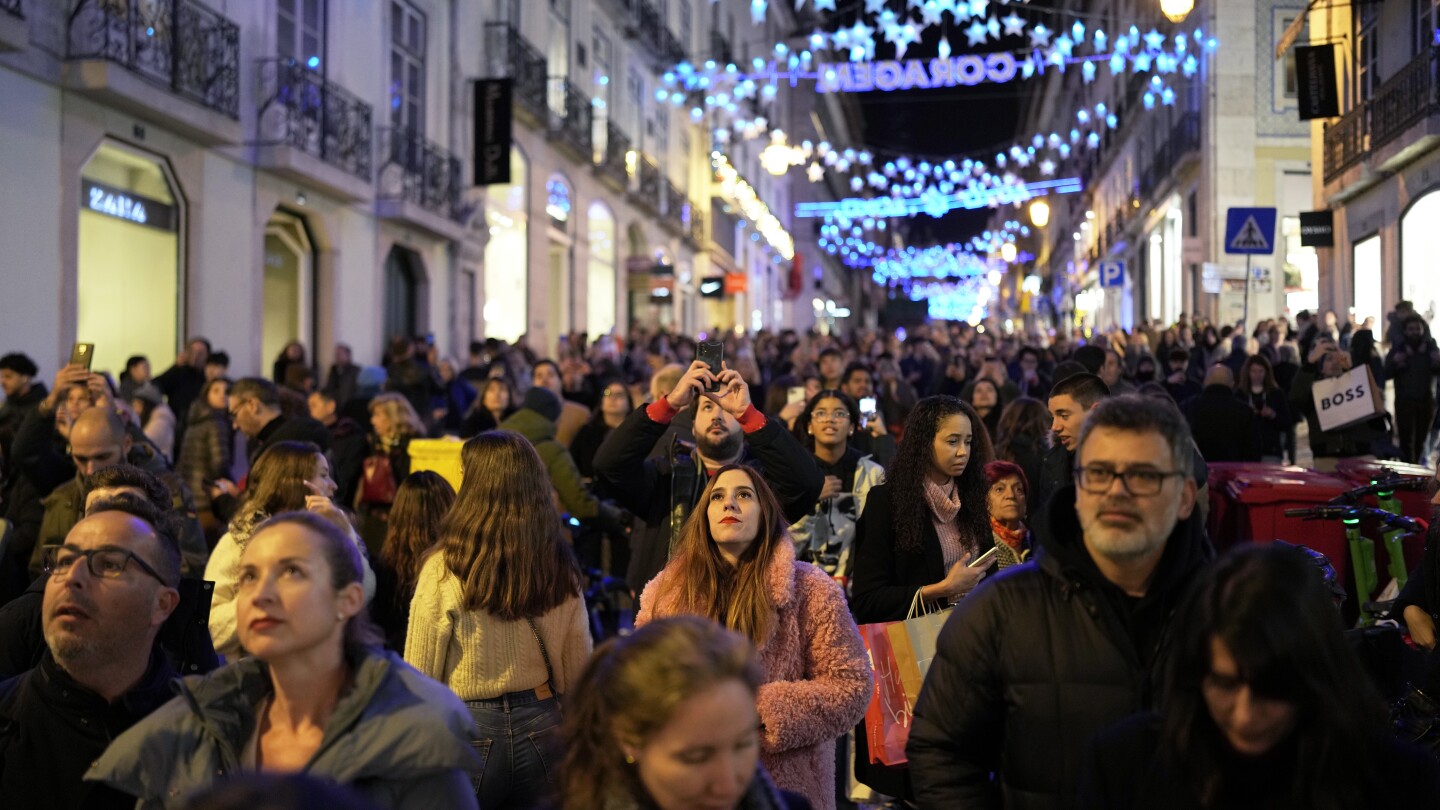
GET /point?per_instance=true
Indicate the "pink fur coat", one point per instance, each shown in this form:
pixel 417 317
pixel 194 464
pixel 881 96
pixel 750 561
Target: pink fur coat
pixel 817 678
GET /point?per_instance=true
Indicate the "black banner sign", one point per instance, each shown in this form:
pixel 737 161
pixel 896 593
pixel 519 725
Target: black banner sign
pixel 1315 78
pixel 1317 228
pixel 493 135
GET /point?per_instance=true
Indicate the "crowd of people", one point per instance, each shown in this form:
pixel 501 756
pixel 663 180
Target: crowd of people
pixel 216 588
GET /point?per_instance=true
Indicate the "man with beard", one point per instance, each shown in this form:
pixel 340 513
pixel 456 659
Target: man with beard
pixel 109 588
pixel 728 429
pixel 1038 659
pixel 1419 602
pixel 99 439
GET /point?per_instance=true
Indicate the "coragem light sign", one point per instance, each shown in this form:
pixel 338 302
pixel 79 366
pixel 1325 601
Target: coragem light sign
pixel 890 75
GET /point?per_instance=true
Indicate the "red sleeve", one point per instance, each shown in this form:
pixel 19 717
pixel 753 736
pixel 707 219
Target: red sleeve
pixel 752 420
pixel 661 411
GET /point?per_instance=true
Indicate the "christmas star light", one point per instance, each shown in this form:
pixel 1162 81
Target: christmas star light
pixel 1014 25
pixel 1039 36
pixel 976 33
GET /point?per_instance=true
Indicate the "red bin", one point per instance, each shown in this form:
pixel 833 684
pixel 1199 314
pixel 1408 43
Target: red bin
pixel 1220 523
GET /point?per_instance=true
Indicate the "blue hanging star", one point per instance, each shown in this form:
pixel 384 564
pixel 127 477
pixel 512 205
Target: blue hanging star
pixel 976 32
pixel 1142 63
pixel 1087 71
pixel 1092 140
pixel 1065 45
pixel 1039 36
pixel 1189 66
pixel 908 36
pixel 1154 40
pixel 978 8
pixel 1099 40
pixel 1149 101
pixel 993 26
pixel 873 7
pixel 1078 31
pixel 930 13
pixel 1167 97
pixel 1117 64
pixel 1014 25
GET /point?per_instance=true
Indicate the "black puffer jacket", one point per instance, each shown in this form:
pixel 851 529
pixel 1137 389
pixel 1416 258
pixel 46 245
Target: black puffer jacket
pixel 1036 660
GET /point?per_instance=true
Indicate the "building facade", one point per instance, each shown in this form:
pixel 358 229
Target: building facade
pixel 1158 185
pixel 1380 158
pixel 170 168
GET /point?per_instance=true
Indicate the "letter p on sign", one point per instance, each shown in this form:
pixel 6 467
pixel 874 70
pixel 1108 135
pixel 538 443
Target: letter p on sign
pixel 1112 274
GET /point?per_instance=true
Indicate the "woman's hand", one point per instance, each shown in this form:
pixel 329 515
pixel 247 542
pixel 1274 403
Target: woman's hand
pixel 961 580
pixel 832 487
pixel 320 504
pixel 1422 627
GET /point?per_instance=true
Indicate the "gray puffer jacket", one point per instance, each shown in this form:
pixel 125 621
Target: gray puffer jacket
pixel 397 737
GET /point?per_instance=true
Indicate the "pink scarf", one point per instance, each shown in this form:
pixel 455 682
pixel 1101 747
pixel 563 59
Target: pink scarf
pixel 944 504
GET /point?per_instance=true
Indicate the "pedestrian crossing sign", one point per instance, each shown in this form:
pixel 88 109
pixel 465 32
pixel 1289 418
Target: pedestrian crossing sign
pixel 1250 230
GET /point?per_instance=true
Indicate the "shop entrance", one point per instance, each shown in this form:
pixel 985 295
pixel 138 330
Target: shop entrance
pixel 289 284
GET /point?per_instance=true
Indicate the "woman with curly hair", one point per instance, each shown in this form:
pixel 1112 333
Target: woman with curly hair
pixel 918 534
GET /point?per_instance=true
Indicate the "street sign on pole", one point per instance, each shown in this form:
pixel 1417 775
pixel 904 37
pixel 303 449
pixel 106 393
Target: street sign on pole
pixel 1112 274
pixel 1250 231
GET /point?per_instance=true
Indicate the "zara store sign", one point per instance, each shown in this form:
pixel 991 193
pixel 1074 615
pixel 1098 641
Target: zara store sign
pixel 121 204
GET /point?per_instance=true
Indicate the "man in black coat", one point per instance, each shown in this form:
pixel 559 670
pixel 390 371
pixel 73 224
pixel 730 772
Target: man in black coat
pixel 1040 656
pixel 1225 429
pixel 22 395
pixel 255 410
pixel 102 671
pixel 728 430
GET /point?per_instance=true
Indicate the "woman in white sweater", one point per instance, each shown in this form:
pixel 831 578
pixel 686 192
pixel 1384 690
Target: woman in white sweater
pixel 498 616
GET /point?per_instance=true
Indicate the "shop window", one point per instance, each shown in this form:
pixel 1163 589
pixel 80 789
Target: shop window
pixel 287 285
pixel 1419 256
pixel 507 275
pixel 1301 271
pixel 600 275
pixel 129 242
pixel 1368 280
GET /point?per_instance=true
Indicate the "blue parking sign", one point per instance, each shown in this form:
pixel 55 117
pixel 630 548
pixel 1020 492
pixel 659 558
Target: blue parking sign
pixel 1112 274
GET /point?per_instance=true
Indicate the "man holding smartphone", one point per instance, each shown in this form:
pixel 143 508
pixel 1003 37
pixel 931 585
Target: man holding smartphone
pixel 728 429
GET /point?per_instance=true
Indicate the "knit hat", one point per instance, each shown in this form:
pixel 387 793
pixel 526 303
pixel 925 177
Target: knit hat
pixel 18 363
pixel 543 401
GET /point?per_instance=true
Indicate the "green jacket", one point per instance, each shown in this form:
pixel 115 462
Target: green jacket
pixel 564 475
pixel 397 737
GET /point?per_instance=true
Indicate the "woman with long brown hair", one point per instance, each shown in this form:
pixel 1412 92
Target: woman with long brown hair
pixel 647 701
pixel 287 477
pixel 420 506
pixel 498 615
pixel 735 565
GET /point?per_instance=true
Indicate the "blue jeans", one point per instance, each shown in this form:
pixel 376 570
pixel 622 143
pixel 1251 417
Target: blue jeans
pixel 518 740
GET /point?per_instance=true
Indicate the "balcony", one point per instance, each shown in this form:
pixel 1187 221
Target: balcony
pixel 14 33
pixel 674 208
pixel 419 183
pixel 1184 139
pixel 656 41
pixel 696 233
pixel 1389 130
pixel 139 56
pixel 610 162
pixel 312 130
pixel 570 118
pixel 646 190
pixel 720 49
pixel 512 56
pixel 1346 141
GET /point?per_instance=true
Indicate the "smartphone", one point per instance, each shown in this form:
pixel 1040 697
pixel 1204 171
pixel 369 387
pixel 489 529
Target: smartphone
pixel 712 354
pixel 867 406
pixel 984 558
pixel 82 354
pixel 794 395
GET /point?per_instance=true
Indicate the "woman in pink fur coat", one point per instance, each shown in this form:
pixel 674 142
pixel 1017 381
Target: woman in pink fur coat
pixel 735 564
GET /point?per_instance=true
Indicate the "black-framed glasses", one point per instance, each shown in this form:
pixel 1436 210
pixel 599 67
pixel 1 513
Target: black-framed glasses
pixel 234 410
pixel 106 562
pixel 1097 480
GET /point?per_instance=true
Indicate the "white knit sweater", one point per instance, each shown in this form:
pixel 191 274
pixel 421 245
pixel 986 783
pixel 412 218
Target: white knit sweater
pixel 480 656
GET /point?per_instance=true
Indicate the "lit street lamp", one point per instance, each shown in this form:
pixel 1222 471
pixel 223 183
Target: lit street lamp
pixel 1039 213
pixel 1176 10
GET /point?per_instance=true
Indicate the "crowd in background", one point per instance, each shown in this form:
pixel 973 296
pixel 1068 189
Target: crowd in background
pixel 531 639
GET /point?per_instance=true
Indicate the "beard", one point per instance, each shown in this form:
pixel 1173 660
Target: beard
pixel 722 450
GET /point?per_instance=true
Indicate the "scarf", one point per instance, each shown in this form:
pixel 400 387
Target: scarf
pixel 1014 538
pixel 944 506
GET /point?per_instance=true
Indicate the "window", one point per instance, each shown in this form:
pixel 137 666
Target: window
pixel 635 88
pixel 508 11
pixel 662 133
pixel 1287 85
pixel 407 67
pixel 300 31
pixel 1367 52
pixel 1425 22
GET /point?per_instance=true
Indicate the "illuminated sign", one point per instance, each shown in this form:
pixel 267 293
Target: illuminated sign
pixel 121 204
pixel 890 75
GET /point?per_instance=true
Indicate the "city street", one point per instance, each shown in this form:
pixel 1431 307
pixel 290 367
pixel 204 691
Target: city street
pixel 719 404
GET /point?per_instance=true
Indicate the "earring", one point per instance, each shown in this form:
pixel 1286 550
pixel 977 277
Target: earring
pixel 629 760
pixel 339 617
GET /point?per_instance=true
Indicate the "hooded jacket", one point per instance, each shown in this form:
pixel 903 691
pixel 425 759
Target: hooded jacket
pixel 564 475
pixel 662 491
pixel 1033 662
pixel 827 537
pixel 817 678
pixel 396 736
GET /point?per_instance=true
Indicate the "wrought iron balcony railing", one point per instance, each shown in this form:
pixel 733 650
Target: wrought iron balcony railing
pixel 300 108
pixel 570 114
pixel 179 44
pixel 511 55
pixel 696 233
pixel 611 161
pixel 655 38
pixel 416 170
pixel 1408 96
pixel 1184 138
pixel 1347 141
pixel 674 206
pixel 647 183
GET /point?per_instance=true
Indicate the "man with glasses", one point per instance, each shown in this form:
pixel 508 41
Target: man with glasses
pixel 1039 658
pixel 108 591
pixel 255 411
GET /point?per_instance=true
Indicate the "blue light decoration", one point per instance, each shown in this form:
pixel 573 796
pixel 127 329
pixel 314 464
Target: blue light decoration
pixel 557 200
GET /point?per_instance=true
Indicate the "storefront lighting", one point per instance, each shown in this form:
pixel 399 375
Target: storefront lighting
pixel 1176 10
pixel 734 189
pixel 1007 252
pixel 994 277
pixel 1089 214
pixel 1031 285
pixel 1040 213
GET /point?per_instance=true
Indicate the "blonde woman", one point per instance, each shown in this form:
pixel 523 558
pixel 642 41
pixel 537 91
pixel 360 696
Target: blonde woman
pixel 394 423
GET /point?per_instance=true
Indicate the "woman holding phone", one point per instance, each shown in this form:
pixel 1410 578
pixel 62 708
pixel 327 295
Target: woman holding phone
pixel 827 536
